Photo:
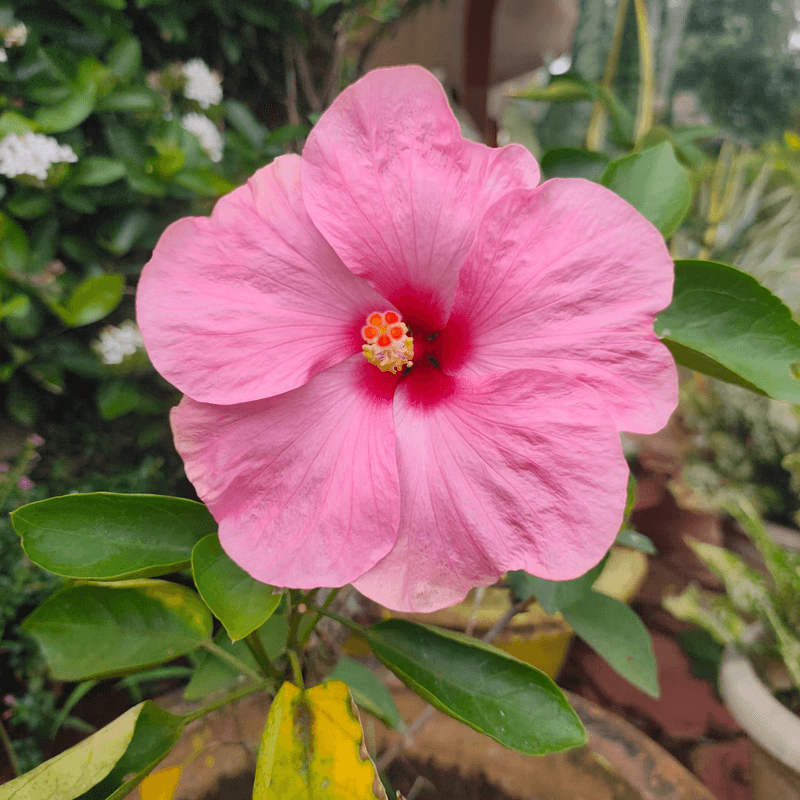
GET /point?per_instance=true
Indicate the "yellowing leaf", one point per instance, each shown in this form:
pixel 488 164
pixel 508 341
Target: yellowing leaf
pixel 313 748
pixel 160 785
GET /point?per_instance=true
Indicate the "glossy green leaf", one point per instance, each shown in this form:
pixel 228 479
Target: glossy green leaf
pixel 618 635
pixel 103 536
pixel 572 162
pixel 155 734
pixel 98 171
pixel 724 323
pixel 240 602
pixel 553 595
pixel 93 630
pixel 214 674
pixel 654 183
pixel 368 691
pixel 69 774
pixel 487 689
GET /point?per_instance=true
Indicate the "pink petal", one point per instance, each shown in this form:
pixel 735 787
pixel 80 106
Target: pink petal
pixel 398 192
pixel 568 278
pixel 522 470
pixel 252 301
pixel 304 485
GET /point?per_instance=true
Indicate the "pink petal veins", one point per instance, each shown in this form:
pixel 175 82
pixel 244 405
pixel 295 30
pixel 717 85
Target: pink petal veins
pixel 304 485
pixel 398 192
pixel 521 470
pixel 569 278
pixel 252 301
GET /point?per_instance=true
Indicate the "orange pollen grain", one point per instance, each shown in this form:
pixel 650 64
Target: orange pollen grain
pixel 375 319
pixel 396 333
pixel 384 340
pixel 369 332
pixel 391 317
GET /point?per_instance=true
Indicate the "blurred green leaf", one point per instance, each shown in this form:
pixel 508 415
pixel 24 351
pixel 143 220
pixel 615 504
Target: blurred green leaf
pixel 242 119
pixel 92 300
pixel 122 233
pixel 572 162
pixel 97 171
pixel 12 122
pixel 654 183
pixel 628 537
pixel 125 58
pixel 133 98
pixel 712 611
pixel 69 114
pixel 14 247
pixel 100 630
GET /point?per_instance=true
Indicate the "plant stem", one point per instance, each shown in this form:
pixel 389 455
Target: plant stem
pixel 296 670
pixel 236 663
pixel 229 698
pixel 644 110
pixel 260 655
pixel 303 635
pixel 348 623
pixel 12 756
pixel 594 133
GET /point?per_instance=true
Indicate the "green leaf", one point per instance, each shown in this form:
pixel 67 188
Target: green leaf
pixel 724 323
pixel 155 734
pixel 712 611
pixel 618 635
pixel 92 300
pixel 98 171
pixel 369 693
pixel 492 692
pixel 628 537
pixel 654 183
pixel 572 162
pixel 125 58
pixel 99 630
pixel 553 595
pixel 566 89
pixel 241 603
pixel 72 772
pixel 12 122
pixel 14 247
pixel 119 397
pixel 124 231
pixel 105 536
pixel 132 98
pixel 69 114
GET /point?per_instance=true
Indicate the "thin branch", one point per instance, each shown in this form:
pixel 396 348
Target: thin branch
pixel 253 641
pixel 307 82
pixel 237 664
pixel 292 110
pixel 229 698
pixel 16 770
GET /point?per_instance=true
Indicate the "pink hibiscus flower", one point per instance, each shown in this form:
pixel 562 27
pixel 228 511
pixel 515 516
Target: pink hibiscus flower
pixel 292 316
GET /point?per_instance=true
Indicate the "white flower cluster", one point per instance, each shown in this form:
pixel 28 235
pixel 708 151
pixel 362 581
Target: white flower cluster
pixel 206 131
pixel 202 84
pixel 115 344
pixel 32 154
pixel 13 36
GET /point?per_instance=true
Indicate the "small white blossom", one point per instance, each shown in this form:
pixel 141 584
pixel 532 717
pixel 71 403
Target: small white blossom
pixel 206 131
pixel 32 154
pixel 115 344
pixel 202 84
pixel 16 35
pixel 3 55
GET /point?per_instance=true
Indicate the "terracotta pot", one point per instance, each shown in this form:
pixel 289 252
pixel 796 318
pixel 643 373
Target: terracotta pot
pixel 773 729
pixel 619 762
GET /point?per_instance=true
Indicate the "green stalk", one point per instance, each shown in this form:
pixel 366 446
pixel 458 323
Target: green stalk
pixel 297 672
pixel 594 133
pixel 304 632
pixel 236 663
pixel 16 771
pixel 644 109
pixel 229 698
pixel 253 641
